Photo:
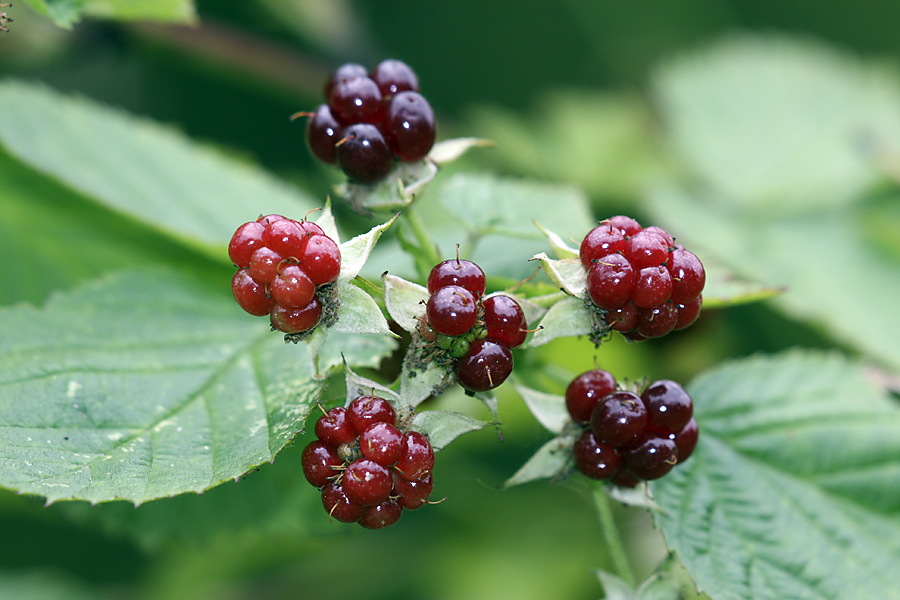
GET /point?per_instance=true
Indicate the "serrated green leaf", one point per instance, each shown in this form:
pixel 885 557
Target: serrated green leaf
pixel 405 301
pixel 560 248
pixel 359 313
pixel 417 386
pixel 549 461
pixel 779 125
pixel 549 409
pixel 145 385
pixel 355 252
pixel 567 274
pixel 139 168
pixel 793 489
pixel 566 318
pixel 357 385
pixel 444 426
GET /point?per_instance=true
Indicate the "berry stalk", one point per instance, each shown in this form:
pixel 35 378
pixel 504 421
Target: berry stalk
pixel 611 534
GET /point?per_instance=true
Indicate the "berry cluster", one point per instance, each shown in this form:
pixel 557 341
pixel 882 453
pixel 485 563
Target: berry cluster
pixel 630 437
pixel 284 268
pixel 474 334
pixel 370 120
pixel 645 284
pixel 367 467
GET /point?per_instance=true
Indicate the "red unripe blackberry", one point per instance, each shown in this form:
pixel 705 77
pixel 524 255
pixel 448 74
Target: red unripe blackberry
pixel 413 494
pixel 365 411
pixel 688 313
pixel 339 506
pixel 455 271
pixel 595 459
pixel 650 456
pixel 657 321
pixel 381 442
pixel 599 242
pixel 670 241
pixel 244 243
pixel 356 100
pixel 393 76
pixel 451 310
pixel 688 276
pixel 321 259
pixel 344 72
pixel 367 482
pixel 286 237
pixel 486 365
pixel 585 391
pixel 505 320
pixel 610 281
pixel 626 225
pixel 363 154
pixel 417 457
pixel 409 126
pixel 310 228
pixel 320 462
pixel 296 320
pixel 382 515
pixel 335 428
pixel 618 418
pixel 250 295
pixel 652 287
pixel 323 131
pixel 267 220
pixel 669 407
pixel 292 288
pixel 646 249
pixel 264 265
pixel 622 319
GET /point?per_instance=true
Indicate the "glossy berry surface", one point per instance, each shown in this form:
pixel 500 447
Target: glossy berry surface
pixel 335 428
pixel 686 440
pixel 688 313
pixel 601 241
pixel 669 407
pixel 416 457
pixel 393 76
pixel 296 320
pixel 626 225
pixel 365 411
pixel 610 281
pixel 292 288
pixel 650 456
pixel 622 319
pixel 451 310
pixel 250 295
pixel 367 482
pixel 486 365
pixel 618 418
pixel 409 126
pixel 320 463
pixel 363 154
pixel 646 249
pixel 505 320
pixel 321 259
pixel 382 515
pixel 688 276
pixel 652 287
pixel 344 72
pixel 594 458
pixel 339 506
pixel 356 100
pixel 585 391
pixel 657 321
pixel 456 271
pixel 413 495
pixel 286 238
pixel 381 442
pixel 323 131
pixel 244 243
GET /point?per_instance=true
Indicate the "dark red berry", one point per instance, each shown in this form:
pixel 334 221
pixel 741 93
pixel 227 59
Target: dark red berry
pixel 323 131
pixel 652 287
pixel 594 458
pixel 486 365
pixel 670 241
pixel 382 515
pixel 335 428
pixel 610 281
pixel 688 276
pixel 455 271
pixel 394 76
pixel 409 126
pixel 669 407
pixel 382 442
pixel 688 313
pixel 365 411
pixel 585 391
pixel 657 321
pixel 296 320
pixel 320 462
pixel 285 237
pixel 626 225
pixel 601 241
pixel 646 249
pixel 618 418
pixel 264 265
pixel 321 259
pixel 451 310
pixel 363 154
pixel 367 482
pixel 686 440
pixel 356 100
pixel 292 288
pixel 505 320
pixel 244 243
pixel 413 494
pixel 622 319
pixel 344 72
pixel 624 479
pixel 417 457
pixel 250 295
pixel 339 506
pixel 650 456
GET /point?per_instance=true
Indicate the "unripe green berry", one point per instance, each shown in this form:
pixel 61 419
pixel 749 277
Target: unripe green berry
pixel 459 348
pixel 443 341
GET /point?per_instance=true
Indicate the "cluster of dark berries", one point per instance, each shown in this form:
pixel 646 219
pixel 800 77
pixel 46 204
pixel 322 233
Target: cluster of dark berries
pixel 474 333
pixel 630 437
pixel 370 120
pixel 645 284
pixel 284 267
pixel 367 467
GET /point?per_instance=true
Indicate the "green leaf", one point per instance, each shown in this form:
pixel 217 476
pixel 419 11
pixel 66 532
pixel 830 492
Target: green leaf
pixel 549 409
pixel 355 252
pixel 561 249
pixel 140 169
pixel 444 426
pixel 567 274
pixel 359 313
pixel 66 13
pixel 145 385
pixel 566 318
pixel 417 386
pixel 659 586
pixel 548 462
pixel 793 489
pixel 777 125
pixel 405 301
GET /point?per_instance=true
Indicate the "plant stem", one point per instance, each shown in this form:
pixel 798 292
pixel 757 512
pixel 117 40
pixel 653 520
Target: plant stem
pixel 611 535
pixel 420 232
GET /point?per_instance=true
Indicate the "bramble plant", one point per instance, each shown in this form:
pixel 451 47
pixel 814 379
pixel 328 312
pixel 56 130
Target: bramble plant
pixel 420 303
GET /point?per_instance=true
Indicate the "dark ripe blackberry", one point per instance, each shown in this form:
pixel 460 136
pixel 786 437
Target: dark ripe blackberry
pixel 686 440
pixel 382 515
pixel 688 313
pixel 622 319
pixel 320 462
pixel 650 456
pixel 594 458
pixel 487 364
pixel 339 506
pixel 585 391
pixel 456 271
pixel 296 320
pixel 657 321
pixel 669 407
pixel 688 276
pixel 409 126
pixel 624 479
pixel 367 482
pixel 652 287
pixel 365 411
pixel 250 295
pixel 393 76
pixel 505 321
pixel 610 281
pixel 363 154
pixel 335 428
pixel 451 310
pixel 599 242
pixel 323 131
pixel 618 418
pixel 416 458
pixel 344 72
pixel 357 100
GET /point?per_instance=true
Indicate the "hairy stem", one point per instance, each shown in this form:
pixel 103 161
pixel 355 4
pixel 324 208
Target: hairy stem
pixel 611 535
pixel 427 248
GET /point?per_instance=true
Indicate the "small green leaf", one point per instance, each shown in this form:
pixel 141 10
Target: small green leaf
pixel 566 318
pixel 357 385
pixel 560 248
pixel 444 426
pixel 549 409
pixel 447 151
pixel 793 490
pixel 355 252
pixel 417 386
pixel 548 462
pixel 568 274
pixel 359 313
pixel 405 301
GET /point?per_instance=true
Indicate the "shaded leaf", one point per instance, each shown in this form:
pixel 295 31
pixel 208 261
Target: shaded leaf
pixel 549 461
pixel 567 274
pixel 359 313
pixel 405 301
pixel 566 318
pixel 549 409
pixel 444 426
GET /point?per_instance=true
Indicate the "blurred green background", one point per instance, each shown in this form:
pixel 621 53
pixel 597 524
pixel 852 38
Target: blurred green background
pixel 499 70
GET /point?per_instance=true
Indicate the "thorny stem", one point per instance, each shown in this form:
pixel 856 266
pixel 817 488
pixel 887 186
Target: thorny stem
pixel 611 535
